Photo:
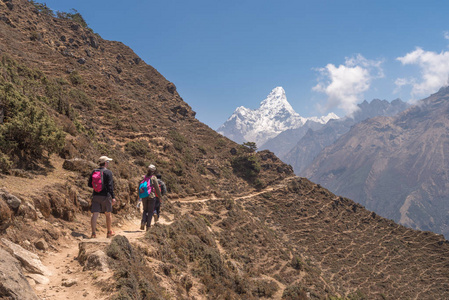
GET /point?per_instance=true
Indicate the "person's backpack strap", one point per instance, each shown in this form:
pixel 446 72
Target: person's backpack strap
pixel 151 187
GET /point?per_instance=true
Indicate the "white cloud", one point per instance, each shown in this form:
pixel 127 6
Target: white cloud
pixel 434 71
pixel 400 82
pixel 446 35
pixel 344 85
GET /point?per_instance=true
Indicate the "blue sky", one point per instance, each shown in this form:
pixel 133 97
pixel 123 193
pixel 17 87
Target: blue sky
pixel 327 55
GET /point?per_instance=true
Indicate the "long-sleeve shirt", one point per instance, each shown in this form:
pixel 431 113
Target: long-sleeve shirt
pixel 108 183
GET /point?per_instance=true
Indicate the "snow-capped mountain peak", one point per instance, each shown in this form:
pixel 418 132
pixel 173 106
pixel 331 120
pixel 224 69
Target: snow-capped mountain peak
pixel 276 100
pixel 274 116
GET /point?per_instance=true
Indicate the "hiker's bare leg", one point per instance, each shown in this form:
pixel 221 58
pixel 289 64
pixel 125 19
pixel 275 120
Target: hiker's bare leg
pixel 108 220
pixel 93 221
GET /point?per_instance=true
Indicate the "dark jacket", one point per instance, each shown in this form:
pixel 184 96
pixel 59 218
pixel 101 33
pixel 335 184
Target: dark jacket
pixel 162 186
pixel 108 183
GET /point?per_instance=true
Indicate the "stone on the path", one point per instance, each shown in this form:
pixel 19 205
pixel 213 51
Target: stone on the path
pixel 97 260
pixel 13 283
pixel 41 244
pixel 91 255
pixel 39 279
pixel 68 282
pixel 29 260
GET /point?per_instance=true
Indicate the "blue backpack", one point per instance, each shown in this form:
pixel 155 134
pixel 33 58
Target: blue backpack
pixel 145 187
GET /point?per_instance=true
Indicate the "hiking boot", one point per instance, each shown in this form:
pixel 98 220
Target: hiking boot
pixel 142 226
pixel 148 228
pixel 93 236
pixel 110 234
pixel 156 218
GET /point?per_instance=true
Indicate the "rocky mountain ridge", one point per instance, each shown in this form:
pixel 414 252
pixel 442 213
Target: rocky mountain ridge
pixel 395 166
pixel 274 115
pixel 308 144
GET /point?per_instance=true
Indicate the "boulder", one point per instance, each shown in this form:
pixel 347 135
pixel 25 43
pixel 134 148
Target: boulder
pixel 13 284
pixel 75 27
pixel 68 282
pixel 41 244
pixel 84 204
pixel 171 88
pixel 29 260
pixel 28 210
pixel 97 260
pixel 12 201
pixel 79 165
pixel 93 42
pixel 39 279
pixel 90 257
pixel 5 215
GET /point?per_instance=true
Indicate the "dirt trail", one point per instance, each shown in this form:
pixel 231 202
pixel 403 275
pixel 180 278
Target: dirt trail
pixel 68 280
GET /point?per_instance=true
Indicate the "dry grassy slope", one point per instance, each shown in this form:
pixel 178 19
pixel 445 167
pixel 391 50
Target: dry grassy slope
pixel 355 248
pixel 290 239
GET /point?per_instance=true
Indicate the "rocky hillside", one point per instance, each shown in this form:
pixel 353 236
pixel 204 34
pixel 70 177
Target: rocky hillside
pixel 235 225
pixel 309 144
pixel 395 166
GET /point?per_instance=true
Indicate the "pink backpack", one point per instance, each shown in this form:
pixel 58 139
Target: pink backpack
pixel 97 180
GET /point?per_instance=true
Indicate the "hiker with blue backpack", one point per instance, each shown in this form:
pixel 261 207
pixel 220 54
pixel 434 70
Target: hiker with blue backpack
pixel 148 191
pixel 103 196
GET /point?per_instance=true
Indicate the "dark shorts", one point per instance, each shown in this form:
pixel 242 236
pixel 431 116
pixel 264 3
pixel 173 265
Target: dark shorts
pixel 101 204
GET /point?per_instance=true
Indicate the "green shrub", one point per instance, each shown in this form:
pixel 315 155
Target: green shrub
pixel 179 141
pixel 75 78
pixel 267 195
pixel 81 98
pixel 103 148
pixel 250 145
pixel 264 288
pixel 294 292
pixel 133 278
pixel 137 148
pixel 56 96
pixel 42 8
pixel 178 168
pixel 5 163
pixel 74 15
pixel 27 130
pixel 247 166
pixel 220 143
pixel 297 263
pixel 114 105
pixel 202 149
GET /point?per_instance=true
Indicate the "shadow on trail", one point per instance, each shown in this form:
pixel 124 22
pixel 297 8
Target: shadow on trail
pixel 77 234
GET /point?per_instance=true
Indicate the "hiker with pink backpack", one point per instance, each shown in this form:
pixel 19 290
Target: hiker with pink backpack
pixel 103 196
pixel 148 191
